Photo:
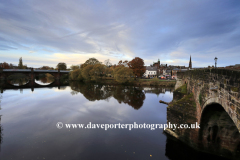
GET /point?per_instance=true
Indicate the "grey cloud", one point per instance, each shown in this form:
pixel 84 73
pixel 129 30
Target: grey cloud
pixel 146 28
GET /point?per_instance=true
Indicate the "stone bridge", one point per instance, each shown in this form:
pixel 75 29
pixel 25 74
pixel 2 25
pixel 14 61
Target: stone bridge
pixel 31 73
pixel 210 97
pixel 219 86
pixel 32 84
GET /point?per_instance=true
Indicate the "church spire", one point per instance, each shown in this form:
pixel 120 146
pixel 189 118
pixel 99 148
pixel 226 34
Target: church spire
pixel 190 63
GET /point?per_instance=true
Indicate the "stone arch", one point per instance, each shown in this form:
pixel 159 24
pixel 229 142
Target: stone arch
pixel 218 133
pixel 229 109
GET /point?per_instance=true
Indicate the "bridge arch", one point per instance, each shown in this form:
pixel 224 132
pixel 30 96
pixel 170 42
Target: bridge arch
pixel 218 133
pixel 228 107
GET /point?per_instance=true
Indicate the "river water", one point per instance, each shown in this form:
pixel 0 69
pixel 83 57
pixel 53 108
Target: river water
pixel 29 118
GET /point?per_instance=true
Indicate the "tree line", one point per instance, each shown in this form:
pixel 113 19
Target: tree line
pixel 123 72
pixel 5 65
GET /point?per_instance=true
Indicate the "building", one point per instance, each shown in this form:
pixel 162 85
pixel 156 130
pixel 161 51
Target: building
pixel 150 72
pixel 156 64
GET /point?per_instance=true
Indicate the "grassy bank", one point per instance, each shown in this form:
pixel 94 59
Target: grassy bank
pixel 139 82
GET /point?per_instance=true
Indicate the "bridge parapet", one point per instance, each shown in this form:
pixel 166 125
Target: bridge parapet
pixel 31 73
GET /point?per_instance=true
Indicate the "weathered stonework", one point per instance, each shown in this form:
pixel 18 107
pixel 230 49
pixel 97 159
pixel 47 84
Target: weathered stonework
pixel 215 86
pixel 215 104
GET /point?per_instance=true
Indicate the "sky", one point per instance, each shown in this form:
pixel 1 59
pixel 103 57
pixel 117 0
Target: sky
pixel 45 32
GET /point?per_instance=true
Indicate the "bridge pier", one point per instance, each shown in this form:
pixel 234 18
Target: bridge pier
pixel 32 76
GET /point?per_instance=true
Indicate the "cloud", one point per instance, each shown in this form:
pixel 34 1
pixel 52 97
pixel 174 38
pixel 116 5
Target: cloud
pixel 123 29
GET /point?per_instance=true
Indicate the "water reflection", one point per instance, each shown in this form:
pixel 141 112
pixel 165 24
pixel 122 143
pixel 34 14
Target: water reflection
pixel 1 139
pixel 177 150
pixel 30 124
pixel 18 82
pixel 1 134
pixel 44 79
pixel 131 95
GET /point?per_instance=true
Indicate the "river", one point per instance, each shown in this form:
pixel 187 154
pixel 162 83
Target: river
pixel 30 131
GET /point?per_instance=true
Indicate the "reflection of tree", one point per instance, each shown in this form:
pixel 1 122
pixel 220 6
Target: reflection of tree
pixel 130 95
pixel 18 81
pixel 91 91
pixel 123 94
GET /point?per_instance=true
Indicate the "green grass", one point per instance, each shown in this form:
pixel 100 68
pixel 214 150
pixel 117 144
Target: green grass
pixel 183 89
pixel 161 80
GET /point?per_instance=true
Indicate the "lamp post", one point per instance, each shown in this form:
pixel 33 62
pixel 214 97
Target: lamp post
pixel 215 62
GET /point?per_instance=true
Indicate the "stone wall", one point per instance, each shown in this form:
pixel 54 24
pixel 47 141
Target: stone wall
pixel 215 86
pixel 196 101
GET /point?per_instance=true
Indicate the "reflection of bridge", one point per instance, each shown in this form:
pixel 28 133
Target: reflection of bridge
pixel 212 99
pixel 32 84
pixel 31 73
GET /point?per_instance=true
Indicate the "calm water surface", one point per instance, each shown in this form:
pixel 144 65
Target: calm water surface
pixel 29 124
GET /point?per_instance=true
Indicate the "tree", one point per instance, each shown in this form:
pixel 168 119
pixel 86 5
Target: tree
pixel 76 75
pixel 97 71
pixel 83 65
pixel 121 63
pixel 62 66
pixel 20 64
pixel 86 72
pixel 137 65
pixel 74 67
pixel 25 66
pixel 46 68
pixel 92 61
pixel 5 65
pixel 108 63
pixel 108 71
pixel 123 74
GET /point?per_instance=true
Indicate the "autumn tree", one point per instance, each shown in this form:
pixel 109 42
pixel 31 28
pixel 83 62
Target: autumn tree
pixel 108 63
pixel 83 65
pixel 74 67
pixel 76 75
pixel 46 68
pixel 108 71
pixel 5 65
pixel 86 72
pixel 123 63
pixel 62 66
pixel 123 74
pixel 97 71
pixel 137 65
pixel 92 61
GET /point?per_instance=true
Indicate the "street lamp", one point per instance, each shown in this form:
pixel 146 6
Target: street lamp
pixel 215 62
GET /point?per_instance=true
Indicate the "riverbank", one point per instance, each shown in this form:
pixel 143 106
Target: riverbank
pixel 138 82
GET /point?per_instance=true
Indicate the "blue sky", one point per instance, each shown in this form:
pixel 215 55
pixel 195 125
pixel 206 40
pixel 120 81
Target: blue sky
pixel 45 32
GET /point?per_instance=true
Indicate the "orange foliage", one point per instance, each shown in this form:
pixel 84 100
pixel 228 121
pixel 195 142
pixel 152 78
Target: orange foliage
pixel 137 65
